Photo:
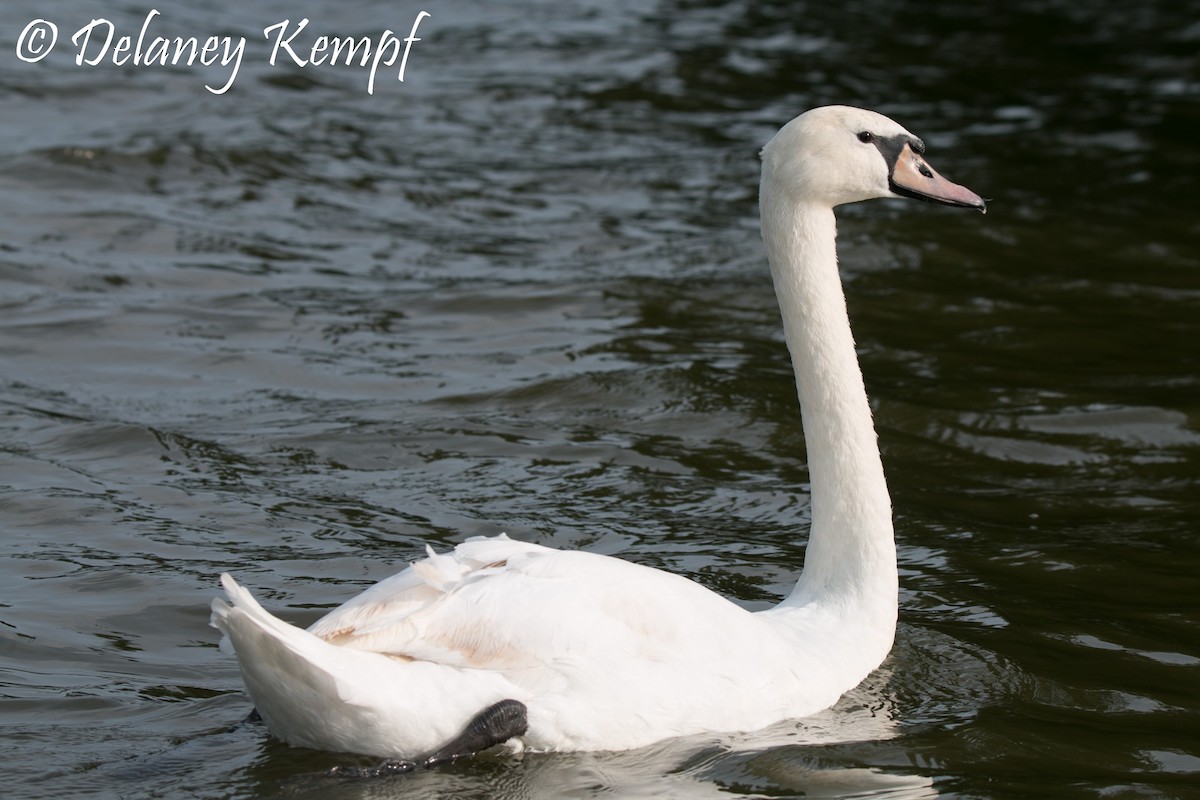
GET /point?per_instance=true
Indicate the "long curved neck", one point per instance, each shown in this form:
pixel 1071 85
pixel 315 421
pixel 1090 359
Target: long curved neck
pixel 851 554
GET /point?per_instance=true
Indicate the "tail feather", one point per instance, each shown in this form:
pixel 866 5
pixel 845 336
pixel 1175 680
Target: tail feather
pixel 282 666
pixel 314 694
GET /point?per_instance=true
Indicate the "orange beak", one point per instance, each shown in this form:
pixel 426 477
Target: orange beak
pixel 913 177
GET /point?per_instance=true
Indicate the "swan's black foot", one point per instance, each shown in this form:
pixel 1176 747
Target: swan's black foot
pixel 382 771
pixel 494 725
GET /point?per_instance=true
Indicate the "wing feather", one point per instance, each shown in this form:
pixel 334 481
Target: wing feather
pixel 531 612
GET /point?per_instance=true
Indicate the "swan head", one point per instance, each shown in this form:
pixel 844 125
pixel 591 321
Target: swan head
pixel 839 154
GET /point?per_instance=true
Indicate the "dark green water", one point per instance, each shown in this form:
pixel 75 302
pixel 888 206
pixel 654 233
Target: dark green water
pixel 296 331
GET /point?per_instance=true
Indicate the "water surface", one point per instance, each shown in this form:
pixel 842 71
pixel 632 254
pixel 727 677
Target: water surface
pixel 296 331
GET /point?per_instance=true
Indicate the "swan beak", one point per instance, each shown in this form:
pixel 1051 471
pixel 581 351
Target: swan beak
pixel 913 177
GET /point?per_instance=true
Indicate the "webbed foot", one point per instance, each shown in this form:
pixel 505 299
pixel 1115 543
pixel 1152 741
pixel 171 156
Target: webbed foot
pixel 494 725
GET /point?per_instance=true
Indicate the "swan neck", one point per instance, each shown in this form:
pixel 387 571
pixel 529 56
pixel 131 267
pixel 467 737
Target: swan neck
pixel 851 549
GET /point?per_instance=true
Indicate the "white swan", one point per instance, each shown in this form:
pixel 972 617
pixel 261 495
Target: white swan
pixel 564 650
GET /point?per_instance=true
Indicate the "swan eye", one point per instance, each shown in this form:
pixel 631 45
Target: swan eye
pixel 866 137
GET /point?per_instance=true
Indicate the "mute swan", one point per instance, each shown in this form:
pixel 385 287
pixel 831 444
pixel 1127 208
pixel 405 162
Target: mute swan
pixel 557 650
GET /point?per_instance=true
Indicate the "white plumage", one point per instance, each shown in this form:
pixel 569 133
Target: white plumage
pixel 605 654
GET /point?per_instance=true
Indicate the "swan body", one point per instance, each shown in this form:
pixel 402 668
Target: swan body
pixel 596 653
